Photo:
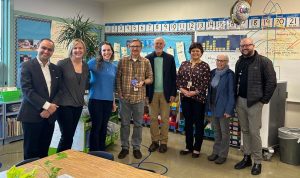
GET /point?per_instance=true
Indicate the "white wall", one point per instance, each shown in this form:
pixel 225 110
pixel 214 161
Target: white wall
pixel 62 8
pixel 159 10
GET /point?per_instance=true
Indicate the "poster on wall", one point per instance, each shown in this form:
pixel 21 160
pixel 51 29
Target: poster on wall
pixel 28 32
pixel 215 43
pixel 177 44
pixel 60 51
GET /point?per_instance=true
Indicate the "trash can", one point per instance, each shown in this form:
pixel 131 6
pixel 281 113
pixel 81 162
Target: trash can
pixel 289 145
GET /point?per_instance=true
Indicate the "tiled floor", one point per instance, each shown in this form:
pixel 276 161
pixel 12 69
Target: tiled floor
pixel 178 166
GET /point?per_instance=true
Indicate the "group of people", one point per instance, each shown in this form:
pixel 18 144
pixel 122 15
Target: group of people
pixel 56 92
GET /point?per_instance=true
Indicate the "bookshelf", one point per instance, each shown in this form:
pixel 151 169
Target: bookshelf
pixel 10 129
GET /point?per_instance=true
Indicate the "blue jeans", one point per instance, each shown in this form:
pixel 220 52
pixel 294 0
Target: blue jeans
pixel 134 111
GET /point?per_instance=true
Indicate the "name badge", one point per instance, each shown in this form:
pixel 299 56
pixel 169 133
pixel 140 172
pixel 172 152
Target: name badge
pixel 189 84
pixel 134 82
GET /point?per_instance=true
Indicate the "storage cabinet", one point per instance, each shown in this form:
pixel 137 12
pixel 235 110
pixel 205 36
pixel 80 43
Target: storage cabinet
pixel 10 129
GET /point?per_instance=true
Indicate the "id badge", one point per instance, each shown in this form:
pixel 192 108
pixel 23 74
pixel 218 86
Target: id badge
pixel 134 82
pixel 189 84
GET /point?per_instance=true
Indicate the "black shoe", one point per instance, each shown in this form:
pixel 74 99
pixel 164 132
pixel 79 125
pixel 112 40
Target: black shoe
pixel 246 162
pixel 163 148
pixel 212 157
pixel 123 154
pixel 153 147
pixel 220 160
pixel 185 152
pixel 256 169
pixel 195 155
pixel 137 154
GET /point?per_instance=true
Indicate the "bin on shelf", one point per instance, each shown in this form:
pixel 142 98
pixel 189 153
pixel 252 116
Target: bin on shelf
pixel 8 96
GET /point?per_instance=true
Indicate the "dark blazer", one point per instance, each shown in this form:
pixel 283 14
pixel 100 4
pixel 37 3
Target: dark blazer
pixel 35 91
pixel 225 97
pixel 72 93
pixel 169 76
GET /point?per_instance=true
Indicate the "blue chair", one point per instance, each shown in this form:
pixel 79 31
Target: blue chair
pixel 102 154
pixel 26 161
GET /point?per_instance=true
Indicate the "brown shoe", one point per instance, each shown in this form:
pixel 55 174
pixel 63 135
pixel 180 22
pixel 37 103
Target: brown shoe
pixel 123 154
pixel 137 154
pixel 163 148
pixel 153 147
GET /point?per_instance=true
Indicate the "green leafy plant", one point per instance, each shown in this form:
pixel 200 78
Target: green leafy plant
pixel 52 171
pixel 16 172
pixel 77 27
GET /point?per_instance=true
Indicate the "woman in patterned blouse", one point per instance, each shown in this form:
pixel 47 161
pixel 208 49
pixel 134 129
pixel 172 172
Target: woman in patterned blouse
pixel 192 80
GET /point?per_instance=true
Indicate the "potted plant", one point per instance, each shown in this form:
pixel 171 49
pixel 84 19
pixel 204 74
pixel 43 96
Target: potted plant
pixel 77 27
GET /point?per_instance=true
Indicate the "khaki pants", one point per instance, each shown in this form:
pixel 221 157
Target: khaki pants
pixel 159 105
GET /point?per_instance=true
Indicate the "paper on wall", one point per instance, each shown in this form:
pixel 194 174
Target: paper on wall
pixel 170 50
pixel 180 52
pixel 117 48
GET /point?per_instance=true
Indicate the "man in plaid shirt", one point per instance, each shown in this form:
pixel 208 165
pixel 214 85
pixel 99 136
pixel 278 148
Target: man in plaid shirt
pixel 134 72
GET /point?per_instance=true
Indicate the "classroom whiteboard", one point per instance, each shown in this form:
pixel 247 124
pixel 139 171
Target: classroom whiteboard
pixel 282 46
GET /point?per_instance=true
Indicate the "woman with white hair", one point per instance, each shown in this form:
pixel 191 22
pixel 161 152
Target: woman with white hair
pixel 221 103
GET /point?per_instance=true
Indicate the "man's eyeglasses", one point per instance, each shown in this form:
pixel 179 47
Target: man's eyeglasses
pixel 245 45
pixel 45 48
pixel 134 46
pixel 219 60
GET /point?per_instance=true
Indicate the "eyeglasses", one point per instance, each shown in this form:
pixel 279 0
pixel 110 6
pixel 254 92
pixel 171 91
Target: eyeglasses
pixel 45 48
pixel 134 46
pixel 219 60
pixel 245 45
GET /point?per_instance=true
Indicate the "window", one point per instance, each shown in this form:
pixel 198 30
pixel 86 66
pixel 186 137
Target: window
pixel 5 12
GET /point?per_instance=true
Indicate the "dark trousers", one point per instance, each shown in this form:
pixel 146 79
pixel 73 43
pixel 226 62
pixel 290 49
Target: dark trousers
pixel 37 138
pixel 193 112
pixel 100 112
pixel 68 117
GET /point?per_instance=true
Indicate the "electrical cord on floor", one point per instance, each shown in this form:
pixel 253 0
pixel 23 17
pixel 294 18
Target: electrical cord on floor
pixel 138 165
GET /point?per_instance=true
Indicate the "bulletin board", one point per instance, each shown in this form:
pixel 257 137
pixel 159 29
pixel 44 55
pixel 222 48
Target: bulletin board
pixel 30 28
pixel 177 44
pixel 28 32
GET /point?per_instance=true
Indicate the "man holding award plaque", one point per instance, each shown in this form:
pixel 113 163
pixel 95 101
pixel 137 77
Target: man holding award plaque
pixel 134 72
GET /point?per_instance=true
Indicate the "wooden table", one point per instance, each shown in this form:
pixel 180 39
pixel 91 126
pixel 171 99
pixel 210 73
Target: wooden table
pixel 81 165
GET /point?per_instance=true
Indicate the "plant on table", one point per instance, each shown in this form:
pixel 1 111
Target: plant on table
pixel 51 170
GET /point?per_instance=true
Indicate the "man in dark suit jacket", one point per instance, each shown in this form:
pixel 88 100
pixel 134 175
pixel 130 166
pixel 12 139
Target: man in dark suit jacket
pixel 160 93
pixel 40 87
